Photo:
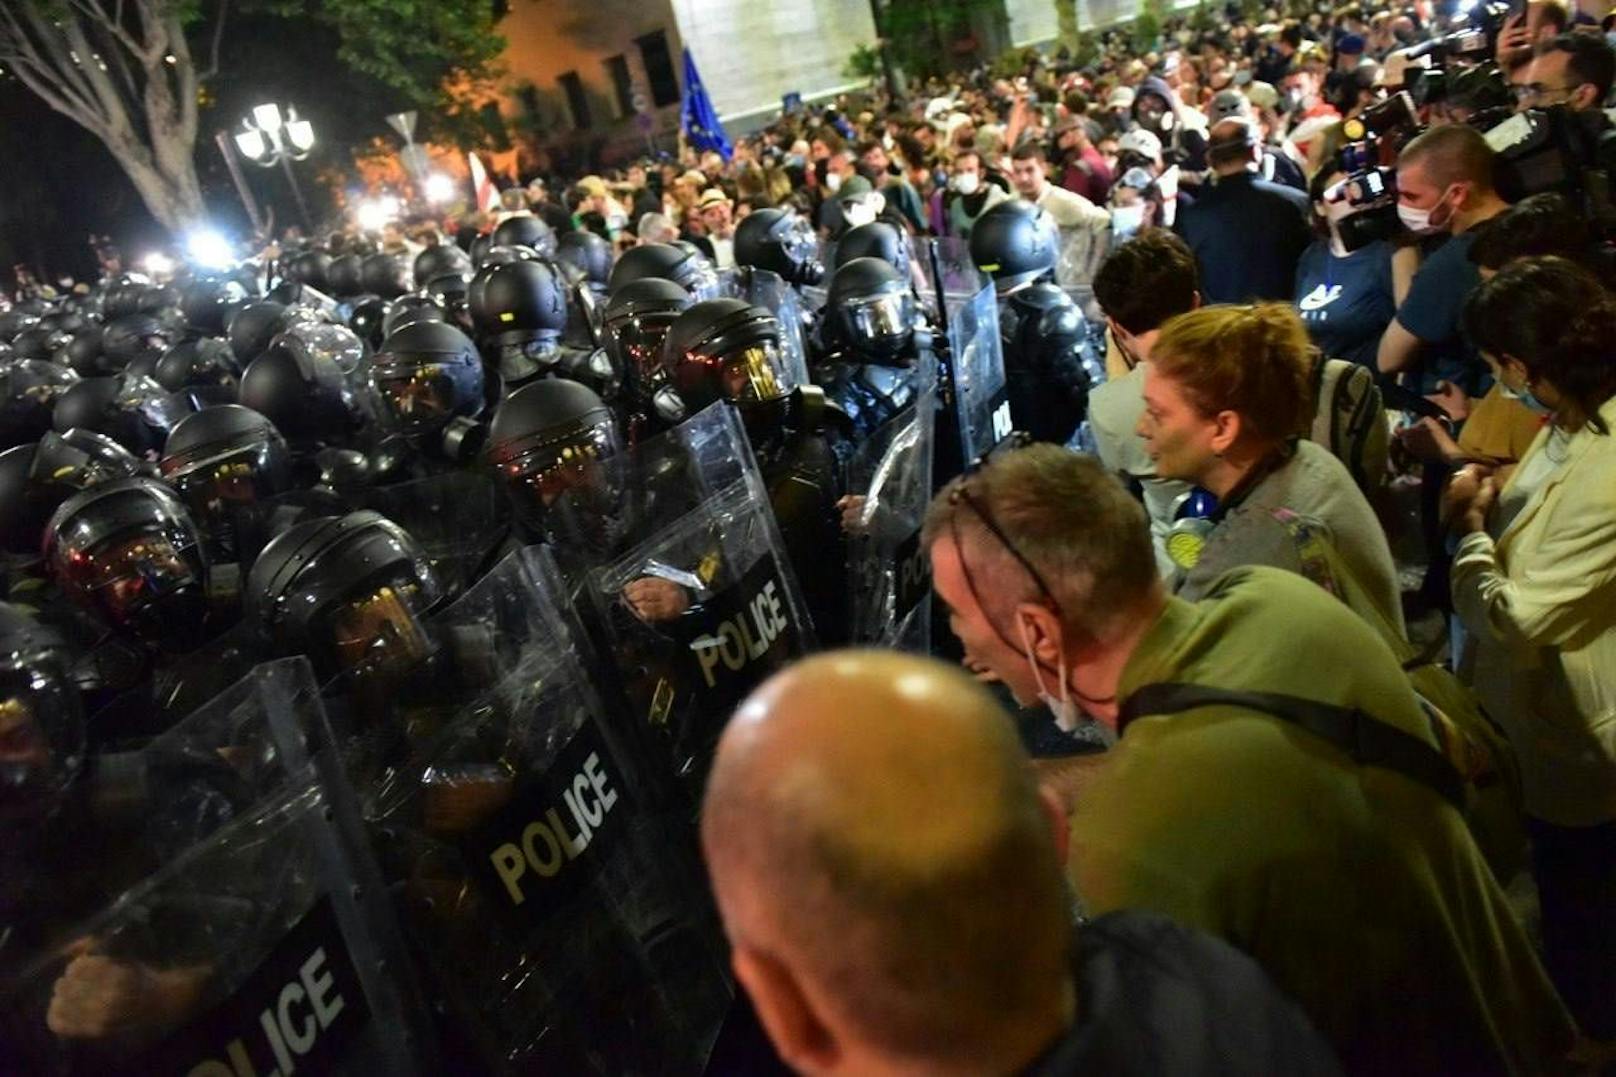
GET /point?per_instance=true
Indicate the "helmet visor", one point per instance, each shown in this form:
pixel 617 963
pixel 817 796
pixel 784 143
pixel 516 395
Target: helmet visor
pixel 756 374
pixel 419 397
pixel 376 631
pixel 146 581
pixel 636 344
pixel 880 319
pixel 574 461
pixel 237 477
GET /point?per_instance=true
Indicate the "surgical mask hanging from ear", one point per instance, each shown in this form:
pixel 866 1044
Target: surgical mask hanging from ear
pixel 1068 716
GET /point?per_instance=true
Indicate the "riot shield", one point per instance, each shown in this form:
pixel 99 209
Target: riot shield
pixel 259 941
pixel 761 288
pixel 891 475
pixel 981 397
pixel 949 269
pixel 688 586
pixel 561 928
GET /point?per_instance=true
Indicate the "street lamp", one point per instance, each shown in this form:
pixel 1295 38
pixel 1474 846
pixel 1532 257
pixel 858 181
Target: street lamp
pixel 269 139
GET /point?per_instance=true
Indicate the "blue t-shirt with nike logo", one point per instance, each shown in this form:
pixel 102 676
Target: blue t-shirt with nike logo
pixel 1346 302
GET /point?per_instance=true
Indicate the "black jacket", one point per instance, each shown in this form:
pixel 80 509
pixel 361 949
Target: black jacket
pixel 1247 235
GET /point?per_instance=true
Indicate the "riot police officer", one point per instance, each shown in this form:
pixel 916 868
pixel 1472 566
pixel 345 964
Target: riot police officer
pixel 637 319
pixel 427 382
pixel 225 462
pixel 868 340
pixel 549 438
pixel 782 243
pixel 520 310
pixel 525 230
pixel 301 385
pixel 1047 358
pixel 725 349
pixel 589 255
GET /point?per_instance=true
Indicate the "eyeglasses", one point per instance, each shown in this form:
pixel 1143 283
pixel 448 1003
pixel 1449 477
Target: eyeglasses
pixel 960 493
pixel 1531 91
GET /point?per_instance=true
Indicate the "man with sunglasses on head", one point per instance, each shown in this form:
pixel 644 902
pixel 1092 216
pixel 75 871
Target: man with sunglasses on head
pixel 1356 885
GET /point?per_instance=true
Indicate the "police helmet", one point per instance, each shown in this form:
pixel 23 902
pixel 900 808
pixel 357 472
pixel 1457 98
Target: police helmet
pixel 349 592
pixel 346 275
pixel 878 239
pixel 222 458
pixel 129 551
pixel 128 336
pixel 300 385
pixel 587 253
pixel 133 411
pixel 870 309
pixel 427 374
pixel 312 268
pixel 668 261
pixel 437 261
pixel 408 309
pixel 369 319
pixel 253 327
pixel 727 349
pixel 201 362
pixel 1014 243
pixel 29 390
pixel 525 230
pixel 636 321
pixel 547 438
pixel 781 242
pixel 385 275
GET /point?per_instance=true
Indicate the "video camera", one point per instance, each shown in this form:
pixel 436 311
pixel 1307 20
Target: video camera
pixel 1472 43
pixel 1368 157
pixel 1556 149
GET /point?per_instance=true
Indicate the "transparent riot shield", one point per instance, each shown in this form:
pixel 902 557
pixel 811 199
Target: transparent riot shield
pixel 561 929
pixel 688 585
pixel 981 397
pixel 255 935
pixel 891 475
pixel 947 268
pixel 761 288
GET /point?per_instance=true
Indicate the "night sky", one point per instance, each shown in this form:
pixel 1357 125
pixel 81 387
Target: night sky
pixel 58 184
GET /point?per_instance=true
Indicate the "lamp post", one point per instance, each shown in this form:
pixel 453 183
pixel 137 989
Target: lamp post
pixel 267 138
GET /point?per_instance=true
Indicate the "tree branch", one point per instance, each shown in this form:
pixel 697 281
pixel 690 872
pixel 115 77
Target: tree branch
pixel 94 13
pixel 27 29
pixel 218 40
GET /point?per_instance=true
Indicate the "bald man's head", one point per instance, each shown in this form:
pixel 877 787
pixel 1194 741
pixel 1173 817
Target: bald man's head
pixel 871 824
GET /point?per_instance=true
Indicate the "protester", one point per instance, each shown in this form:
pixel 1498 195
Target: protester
pixel 1358 889
pixel 1227 402
pixel 1534 580
pixel 1142 285
pixel 1247 233
pixel 893 896
pixel 1084 227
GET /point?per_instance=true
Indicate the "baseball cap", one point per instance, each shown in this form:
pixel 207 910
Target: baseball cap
pixel 1121 97
pixel 1142 142
pixel 1226 103
pixel 1350 45
pixel 593 186
pixel 1262 95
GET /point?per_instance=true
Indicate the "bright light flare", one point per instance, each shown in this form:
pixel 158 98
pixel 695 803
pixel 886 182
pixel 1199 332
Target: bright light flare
pixel 209 249
pixel 438 188
pixel 157 264
pixel 375 213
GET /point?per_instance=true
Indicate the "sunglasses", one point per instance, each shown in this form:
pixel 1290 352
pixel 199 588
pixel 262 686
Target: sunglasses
pixel 960 494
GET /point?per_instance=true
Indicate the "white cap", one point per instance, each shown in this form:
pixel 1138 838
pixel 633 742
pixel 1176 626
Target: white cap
pixel 1142 142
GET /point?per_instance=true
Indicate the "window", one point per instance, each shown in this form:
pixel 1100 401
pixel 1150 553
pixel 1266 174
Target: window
pixel 659 68
pixel 528 95
pixel 573 87
pixel 494 124
pixel 622 85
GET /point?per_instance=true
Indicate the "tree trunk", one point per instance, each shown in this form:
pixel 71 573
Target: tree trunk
pixel 1066 17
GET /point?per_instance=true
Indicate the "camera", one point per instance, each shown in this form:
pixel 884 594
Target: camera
pixel 1472 43
pixel 1370 187
pixel 1557 149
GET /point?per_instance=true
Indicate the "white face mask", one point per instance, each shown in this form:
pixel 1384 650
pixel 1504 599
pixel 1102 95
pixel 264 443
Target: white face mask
pixel 833 180
pixel 1068 716
pixel 967 183
pixel 1415 220
pixel 1126 220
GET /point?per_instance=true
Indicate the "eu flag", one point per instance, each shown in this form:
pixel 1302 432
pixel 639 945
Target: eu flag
pixel 697 115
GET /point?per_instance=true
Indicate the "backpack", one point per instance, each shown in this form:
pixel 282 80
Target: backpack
pixel 1349 419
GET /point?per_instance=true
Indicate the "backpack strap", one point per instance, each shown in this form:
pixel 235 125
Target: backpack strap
pixel 1367 740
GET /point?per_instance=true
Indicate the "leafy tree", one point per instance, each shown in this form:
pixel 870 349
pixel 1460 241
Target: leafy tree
pixel 137 73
